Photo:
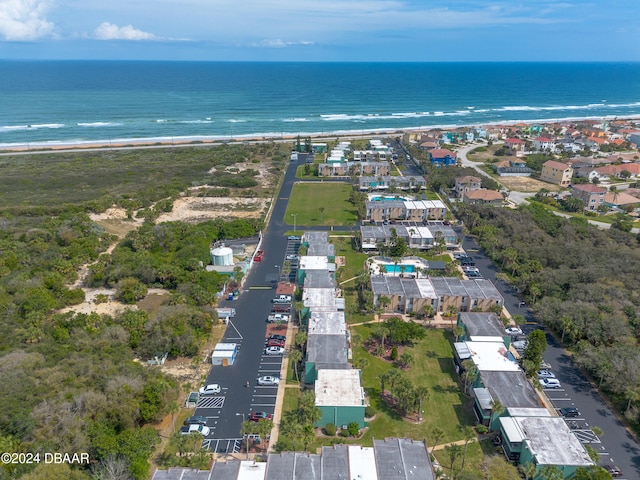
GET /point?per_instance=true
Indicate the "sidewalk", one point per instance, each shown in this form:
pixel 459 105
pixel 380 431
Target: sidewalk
pixel 277 412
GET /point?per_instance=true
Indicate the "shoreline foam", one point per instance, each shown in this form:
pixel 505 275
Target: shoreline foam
pixel 195 140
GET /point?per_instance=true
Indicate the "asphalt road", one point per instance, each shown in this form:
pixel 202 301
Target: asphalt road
pixel 616 445
pixel 248 329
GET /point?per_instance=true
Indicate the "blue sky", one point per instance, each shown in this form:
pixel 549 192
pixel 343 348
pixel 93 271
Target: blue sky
pixel 321 30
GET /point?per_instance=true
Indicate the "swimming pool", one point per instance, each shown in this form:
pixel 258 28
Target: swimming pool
pixel 400 268
pixel 381 198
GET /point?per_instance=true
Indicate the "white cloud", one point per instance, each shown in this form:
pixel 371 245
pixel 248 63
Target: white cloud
pixel 278 43
pixel 22 20
pixel 109 31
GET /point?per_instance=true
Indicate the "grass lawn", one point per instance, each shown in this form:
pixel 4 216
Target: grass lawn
pixel 308 198
pixel 301 171
pixel 447 407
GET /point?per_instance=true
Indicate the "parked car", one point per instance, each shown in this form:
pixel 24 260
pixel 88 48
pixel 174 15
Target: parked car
pixel 275 342
pixel 292 257
pixel 278 317
pixel 280 308
pixel 274 351
pixel 569 412
pixel 513 331
pixel 613 470
pixel 196 420
pixel 520 344
pixel 268 380
pixel 195 428
pixel 294 237
pixel 545 374
pixel 549 383
pixel 257 416
pixel 544 365
pixel 212 389
pixel 279 337
pixel 282 299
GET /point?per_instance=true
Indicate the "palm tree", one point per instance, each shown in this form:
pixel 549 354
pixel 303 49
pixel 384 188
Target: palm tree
pixel 422 393
pixel 551 472
pixel 529 470
pixel 321 209
pixel 451 311
pixel 454 452
pixel 458 331
pixel 295 356
pixel 383 377
pixel 384 301
pixel 393 376
pixel 300 340
pixel 437 434
pixel 298 307
pixel 497 409
pixel 469 434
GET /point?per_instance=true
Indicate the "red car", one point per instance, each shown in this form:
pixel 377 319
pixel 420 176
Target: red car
pixel 275 342
pixel 280 308
pixel 257 416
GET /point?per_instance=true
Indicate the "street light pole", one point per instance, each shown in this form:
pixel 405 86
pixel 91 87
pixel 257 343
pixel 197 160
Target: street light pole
pixel 294 215
pixel 243 434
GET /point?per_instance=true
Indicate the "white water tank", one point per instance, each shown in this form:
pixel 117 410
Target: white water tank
pixel 222 256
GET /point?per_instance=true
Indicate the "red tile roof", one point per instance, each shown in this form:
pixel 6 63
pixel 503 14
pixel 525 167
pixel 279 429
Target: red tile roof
pixel 513 140
pixel 442 152
pixel 591 188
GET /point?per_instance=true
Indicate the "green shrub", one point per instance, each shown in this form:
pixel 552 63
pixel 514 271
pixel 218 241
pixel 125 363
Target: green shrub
pixel 481 428
pixel 353 429
pixel 330 429
pixel 369 411
pixel 394 353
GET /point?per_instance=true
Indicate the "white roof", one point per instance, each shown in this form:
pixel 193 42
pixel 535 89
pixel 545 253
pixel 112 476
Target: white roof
pixel 319 297
pixel 528 412
pixel 339 388
pixel 362 463
pixel 250 470
pixel 425 287
pixel 552 442
pixel 512 430
pixel 308 262
pixel 492 356
pixel 479 338
pixel 226 346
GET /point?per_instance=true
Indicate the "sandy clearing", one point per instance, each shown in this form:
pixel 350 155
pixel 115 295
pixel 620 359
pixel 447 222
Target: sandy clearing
pixel 206 208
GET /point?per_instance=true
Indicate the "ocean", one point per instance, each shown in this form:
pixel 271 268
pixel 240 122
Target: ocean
pixel 75 102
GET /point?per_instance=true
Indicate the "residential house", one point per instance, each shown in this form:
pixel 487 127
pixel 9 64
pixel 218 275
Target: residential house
pixel 419 237
pixel 483 197
pixel 466 183
pixel 543 144
pixel 442 157
pixel 620 200
pixel 515 146
pixel 591 195
pixel 557 173
pixel 512 167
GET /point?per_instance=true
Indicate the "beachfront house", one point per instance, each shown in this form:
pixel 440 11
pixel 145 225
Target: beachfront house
pixel 483 197
pixel 466 183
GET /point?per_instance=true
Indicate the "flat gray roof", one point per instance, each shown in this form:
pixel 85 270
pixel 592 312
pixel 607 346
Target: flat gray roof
pixel 324 249
pixel 292 465
pixel 335 463
pixel 225 470
pixel 318 279
pixel 190 474
pixel 385 285
pixel 454 287
pixel 327 351
pixel 319 297
pixel 402 459
pixel 482 324
pixel 512 389
pixel 316 237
